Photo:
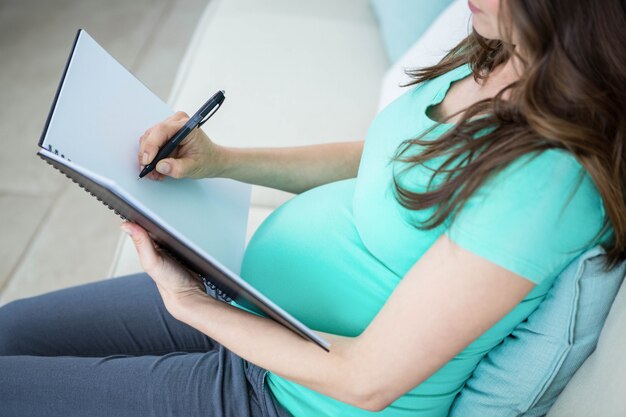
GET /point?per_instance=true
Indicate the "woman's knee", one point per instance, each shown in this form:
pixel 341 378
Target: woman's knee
pixel 15 325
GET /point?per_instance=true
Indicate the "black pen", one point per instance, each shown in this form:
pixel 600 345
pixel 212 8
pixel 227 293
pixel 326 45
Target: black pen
pixel 207 110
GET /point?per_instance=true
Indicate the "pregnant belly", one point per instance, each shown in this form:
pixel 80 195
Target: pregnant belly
pixel 308 258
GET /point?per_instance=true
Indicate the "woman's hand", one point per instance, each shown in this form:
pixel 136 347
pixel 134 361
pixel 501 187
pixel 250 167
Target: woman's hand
pixel 177 285
pixel 195 157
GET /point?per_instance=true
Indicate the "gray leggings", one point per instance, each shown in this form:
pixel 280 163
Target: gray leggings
pixel 111 349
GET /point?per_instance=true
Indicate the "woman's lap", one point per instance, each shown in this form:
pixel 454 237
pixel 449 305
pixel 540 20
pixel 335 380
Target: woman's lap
pixel 115 316
pixel 111 348
pixel 175 384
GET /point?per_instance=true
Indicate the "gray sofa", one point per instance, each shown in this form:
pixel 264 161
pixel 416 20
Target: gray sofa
pixel 301 72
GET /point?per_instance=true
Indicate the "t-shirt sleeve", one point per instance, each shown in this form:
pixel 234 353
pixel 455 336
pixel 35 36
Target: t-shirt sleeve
pixel 533 217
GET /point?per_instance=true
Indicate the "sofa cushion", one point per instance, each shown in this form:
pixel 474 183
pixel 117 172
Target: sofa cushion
pixel 295 72
pixel 597 389
pixel 403 22
pixel 448 29
pixel 526 372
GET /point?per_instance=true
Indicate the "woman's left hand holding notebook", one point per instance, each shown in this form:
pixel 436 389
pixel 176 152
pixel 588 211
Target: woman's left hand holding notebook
pixel 176 284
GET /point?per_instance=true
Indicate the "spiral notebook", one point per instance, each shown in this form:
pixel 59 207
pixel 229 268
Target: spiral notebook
pixel 92 136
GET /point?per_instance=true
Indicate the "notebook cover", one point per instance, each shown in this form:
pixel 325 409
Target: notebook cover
pixel 105 190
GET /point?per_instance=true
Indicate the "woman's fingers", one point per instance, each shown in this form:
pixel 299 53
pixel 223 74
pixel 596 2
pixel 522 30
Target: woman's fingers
pixel 148 255
pixel 175 168
pixel 179 115
pixel 186 160
pixel 155 137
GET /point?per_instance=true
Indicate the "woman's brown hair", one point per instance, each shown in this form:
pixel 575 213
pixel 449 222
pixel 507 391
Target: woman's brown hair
pixel 572 96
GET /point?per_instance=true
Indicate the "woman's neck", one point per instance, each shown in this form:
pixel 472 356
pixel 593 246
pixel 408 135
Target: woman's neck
pixel 502 75
pixel 463 93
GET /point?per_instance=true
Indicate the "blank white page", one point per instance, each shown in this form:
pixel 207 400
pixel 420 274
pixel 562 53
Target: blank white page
pixel 100 113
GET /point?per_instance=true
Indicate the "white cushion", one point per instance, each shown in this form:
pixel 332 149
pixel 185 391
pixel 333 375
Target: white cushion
pixel 452 25
pixel 597 387
pixel 295 72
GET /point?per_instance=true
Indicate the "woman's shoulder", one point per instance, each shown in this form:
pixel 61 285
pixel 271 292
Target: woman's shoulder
pixel 546 166
pixel 532 215
pixel 553 177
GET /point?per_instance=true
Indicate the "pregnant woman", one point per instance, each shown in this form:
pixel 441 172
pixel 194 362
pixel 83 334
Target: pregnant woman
pixel 414 252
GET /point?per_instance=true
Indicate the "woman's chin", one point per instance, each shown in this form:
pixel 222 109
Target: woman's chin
pixel 483 28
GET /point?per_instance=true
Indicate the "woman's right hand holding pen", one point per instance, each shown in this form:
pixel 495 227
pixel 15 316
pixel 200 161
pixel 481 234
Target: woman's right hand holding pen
pixel 196 156
pixel 293 169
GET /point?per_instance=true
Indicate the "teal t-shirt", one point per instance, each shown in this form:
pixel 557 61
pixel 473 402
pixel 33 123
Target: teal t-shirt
pixel 333 255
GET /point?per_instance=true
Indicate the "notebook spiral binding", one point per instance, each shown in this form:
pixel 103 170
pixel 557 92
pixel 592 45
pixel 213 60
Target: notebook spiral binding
pixel 56 152
pixel 82 186
pixel 218 293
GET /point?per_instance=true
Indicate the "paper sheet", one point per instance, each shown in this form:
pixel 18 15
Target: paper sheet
pixel 100 113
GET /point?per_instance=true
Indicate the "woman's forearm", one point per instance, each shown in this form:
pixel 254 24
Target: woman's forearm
pixel 293 169
pixel 271 346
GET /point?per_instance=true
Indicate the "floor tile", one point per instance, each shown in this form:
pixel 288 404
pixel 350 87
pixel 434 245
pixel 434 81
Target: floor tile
pixel 149 37
pixel 20 218
pixel 35 40
pixel 75 245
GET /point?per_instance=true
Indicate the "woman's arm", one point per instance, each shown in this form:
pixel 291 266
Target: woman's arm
pixel 447 300
pixel 294 169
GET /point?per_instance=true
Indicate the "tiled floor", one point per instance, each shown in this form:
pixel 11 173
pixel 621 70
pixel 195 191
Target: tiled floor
pixel 52 234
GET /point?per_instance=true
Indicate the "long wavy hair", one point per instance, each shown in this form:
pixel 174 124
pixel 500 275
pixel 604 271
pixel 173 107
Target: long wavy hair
pixel 572 96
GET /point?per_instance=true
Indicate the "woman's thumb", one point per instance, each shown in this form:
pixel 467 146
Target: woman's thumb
pixel 171 167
